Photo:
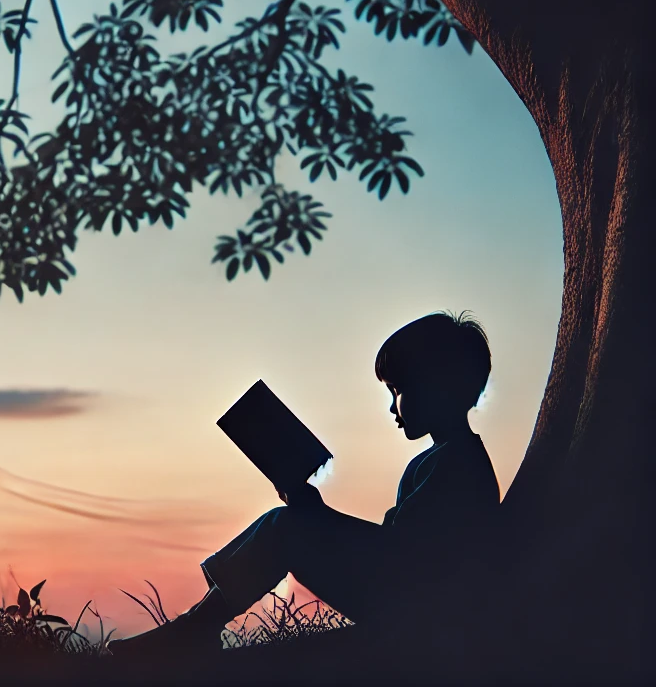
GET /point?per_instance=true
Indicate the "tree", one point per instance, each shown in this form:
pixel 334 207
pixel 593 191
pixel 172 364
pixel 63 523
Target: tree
pixel 576 576
pixel 140 129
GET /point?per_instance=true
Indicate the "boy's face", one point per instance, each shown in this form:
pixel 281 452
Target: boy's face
pixel 421 406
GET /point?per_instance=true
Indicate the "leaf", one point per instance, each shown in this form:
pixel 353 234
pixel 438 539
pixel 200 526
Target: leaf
pixel 385 185
pixel 231 270
pixel 304 242
pixel 403 180
pixel 34 592
pixel 11 610
pixel 167 217
pixel 17 288
pixel 53 619
pixel 391 29
pixel 59 91
pixel 263 264
pixel 362 6
pixel 316 171
pixel 409 162
pixel 117 221
pixel 375 179
pixel 310 159
pixel 24 605
pixel 130 9
pixel 10 42
pixel 201 20
pixel 430 34
pixel 444 35
pixel 468 41
pixel 368 169
pixel 85 28
pixel 248 262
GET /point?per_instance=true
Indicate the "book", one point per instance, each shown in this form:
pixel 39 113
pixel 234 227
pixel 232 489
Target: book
pixel 273 438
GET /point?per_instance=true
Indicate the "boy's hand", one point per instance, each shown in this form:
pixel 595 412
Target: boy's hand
pixel 306 497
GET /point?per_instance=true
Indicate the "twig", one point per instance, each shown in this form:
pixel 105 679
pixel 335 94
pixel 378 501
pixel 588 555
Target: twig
pixel 17 65
pixel 279 19
pixel 60 26
pixel 266 18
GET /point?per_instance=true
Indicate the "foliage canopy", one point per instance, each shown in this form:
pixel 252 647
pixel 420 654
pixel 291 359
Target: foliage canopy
pixel 140 128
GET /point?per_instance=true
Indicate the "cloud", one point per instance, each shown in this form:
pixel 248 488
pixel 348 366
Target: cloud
pixel 42 404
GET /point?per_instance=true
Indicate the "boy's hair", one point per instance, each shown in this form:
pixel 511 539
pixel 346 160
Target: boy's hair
pixel 455 347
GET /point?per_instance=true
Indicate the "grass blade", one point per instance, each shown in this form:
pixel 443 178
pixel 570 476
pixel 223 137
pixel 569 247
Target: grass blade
pixel 142 604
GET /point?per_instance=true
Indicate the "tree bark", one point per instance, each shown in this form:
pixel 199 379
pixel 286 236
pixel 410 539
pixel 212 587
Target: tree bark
pixel 578 566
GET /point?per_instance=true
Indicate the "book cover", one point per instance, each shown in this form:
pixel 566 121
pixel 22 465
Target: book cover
pixel 273 438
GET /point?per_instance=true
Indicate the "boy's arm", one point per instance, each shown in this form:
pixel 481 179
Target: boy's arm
pixel 404 490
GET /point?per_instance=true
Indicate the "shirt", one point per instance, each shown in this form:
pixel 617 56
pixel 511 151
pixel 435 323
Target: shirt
pixel 447 498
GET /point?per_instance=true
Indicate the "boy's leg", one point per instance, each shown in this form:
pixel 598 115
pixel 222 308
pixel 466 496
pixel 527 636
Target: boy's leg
pixel 203 620
pixel 338 557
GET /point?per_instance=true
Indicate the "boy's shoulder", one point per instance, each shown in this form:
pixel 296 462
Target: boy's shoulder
pixel 466 464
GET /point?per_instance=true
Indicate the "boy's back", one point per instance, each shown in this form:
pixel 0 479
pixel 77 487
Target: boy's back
pixel 446 501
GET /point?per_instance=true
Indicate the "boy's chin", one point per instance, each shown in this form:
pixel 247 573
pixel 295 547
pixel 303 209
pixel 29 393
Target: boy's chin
pixel 411 434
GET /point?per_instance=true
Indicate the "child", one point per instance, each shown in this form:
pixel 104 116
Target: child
pixel 436 368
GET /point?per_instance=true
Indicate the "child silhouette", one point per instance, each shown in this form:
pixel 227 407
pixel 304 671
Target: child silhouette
pixel 436 368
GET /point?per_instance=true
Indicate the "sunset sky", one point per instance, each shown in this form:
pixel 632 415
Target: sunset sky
pixel 112 469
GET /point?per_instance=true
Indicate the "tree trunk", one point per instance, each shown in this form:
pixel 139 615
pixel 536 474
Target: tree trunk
pixel 578 568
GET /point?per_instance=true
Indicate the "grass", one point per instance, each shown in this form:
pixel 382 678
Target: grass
pixel 286 644
pixel 31 636
pixel 27 629
pixel 285 621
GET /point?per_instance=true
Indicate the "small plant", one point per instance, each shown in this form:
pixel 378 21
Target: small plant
pixel 26 627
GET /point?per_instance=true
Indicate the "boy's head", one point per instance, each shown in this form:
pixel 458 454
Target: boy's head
pixel 436 368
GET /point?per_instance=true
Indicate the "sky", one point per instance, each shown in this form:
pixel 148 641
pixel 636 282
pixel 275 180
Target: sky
pixel 112 469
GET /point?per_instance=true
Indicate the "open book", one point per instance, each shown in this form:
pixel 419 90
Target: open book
pixel 273 438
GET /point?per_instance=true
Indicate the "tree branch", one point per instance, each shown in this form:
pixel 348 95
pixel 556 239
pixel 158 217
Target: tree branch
pixel 60 26
pixel 268 17
pixel 276 48
pixel 17 65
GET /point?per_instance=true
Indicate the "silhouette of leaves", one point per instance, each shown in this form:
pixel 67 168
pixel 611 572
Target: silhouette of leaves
pixel 282 217
pixel 35 591
pixel 178 12
pixel 411 18
pixel 10 26
pixel 140 129
pixel 24 605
